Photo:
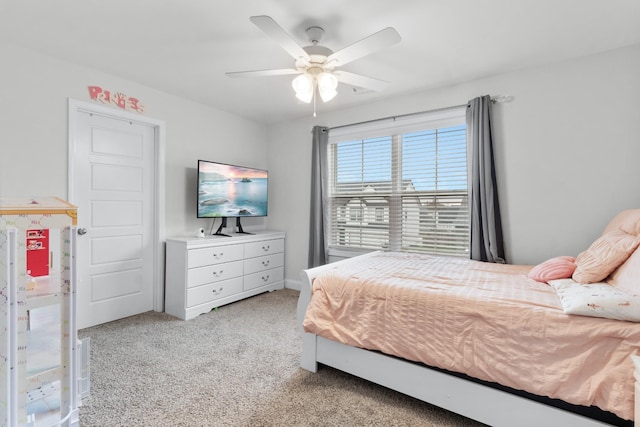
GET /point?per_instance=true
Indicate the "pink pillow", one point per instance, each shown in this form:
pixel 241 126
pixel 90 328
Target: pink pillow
pixel 561 267
pixel 627 220
pixel 627 276
pixel 604 256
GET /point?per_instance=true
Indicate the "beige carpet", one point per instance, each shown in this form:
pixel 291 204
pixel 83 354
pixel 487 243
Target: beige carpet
pixel 234 366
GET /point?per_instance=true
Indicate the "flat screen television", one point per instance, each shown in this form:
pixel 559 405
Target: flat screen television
pixel 230 191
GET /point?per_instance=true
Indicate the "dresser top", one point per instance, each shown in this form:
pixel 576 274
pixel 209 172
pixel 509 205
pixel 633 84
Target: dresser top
pixel 231 239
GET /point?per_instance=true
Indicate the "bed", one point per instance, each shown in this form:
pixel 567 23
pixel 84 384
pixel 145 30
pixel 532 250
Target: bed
pixel 484 340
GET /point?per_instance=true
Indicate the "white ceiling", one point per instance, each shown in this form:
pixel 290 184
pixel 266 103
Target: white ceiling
pixel 184 47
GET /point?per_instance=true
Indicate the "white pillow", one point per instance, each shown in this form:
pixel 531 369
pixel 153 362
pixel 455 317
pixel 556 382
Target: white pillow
pixel 596 300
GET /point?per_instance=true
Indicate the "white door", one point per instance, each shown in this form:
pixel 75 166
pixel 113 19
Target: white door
pixel 113 184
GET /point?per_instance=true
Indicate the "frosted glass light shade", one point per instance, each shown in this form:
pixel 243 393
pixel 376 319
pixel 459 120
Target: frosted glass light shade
pixel 303 85
pixel 327 84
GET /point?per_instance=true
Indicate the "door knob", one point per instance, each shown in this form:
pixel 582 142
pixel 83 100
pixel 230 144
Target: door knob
pixel 82 231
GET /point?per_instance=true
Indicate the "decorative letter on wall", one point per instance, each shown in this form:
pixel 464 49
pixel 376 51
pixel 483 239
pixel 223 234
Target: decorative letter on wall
pixel 96 93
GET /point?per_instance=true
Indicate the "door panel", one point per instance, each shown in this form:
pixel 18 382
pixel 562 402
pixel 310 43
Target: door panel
pixel 107 141
pixel 116 178
pixel 116 249
pixel 115 285
pixel 114 161
pixel 116 213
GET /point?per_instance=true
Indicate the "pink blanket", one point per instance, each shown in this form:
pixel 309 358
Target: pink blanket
pixel 488 321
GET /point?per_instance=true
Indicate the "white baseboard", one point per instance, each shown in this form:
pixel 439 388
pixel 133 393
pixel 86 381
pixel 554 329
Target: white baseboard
pixel 293 284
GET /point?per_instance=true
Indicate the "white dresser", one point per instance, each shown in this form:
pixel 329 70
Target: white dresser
pixel 204 273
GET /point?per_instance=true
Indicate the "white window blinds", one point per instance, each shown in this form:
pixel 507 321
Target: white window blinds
pixel 400 185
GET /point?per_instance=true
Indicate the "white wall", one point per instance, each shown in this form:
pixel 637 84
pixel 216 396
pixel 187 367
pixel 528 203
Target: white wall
pixel 567 146
pixel 33 133
pixel 567 152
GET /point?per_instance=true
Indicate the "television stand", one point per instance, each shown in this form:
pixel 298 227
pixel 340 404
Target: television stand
pixel 239 225
pixel 223 224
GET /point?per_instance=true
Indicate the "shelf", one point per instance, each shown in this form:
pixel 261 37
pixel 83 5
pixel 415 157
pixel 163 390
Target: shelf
pixel 44 344
pixel 47 291
pixel 43 405
pixel 37 244
pixel 37 380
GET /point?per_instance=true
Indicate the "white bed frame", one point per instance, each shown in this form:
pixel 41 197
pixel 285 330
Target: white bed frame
pixel 476 401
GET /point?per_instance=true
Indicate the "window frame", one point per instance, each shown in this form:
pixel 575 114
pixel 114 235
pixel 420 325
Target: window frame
pixel 439 119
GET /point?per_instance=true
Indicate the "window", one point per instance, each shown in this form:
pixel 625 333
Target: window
pixel 380 214
pixel 400 185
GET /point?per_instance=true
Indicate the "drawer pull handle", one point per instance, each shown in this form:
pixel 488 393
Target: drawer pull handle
pixel 265 248
pixel 215 291
pixel 264 279
pixel 218 256
pixel 265 263
pixel 218 274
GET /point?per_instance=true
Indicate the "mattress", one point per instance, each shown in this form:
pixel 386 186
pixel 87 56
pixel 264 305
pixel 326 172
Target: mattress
pixel 488 321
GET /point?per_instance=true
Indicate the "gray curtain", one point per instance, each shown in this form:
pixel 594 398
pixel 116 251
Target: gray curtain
pixel 486 225
pixel 317 244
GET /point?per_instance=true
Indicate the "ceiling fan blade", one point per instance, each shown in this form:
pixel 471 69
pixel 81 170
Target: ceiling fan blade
pixel 275 31
pixel 262 73
pixel 364 47
pixel 360 80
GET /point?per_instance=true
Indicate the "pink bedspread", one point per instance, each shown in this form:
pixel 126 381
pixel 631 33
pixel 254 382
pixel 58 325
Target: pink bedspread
pixel 485 320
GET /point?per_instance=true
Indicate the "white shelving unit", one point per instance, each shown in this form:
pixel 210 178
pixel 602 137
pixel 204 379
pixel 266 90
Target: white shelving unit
pixel 37 310
pixel 204 273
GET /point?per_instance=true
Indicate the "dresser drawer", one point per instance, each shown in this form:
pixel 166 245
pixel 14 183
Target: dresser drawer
pixel 253 265
pixel 214 255
pixel 213 273
pixel 264 247
pixel 213 291
pixel 263 278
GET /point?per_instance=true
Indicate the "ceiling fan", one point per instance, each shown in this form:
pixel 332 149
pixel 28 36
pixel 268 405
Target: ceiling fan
pixel 316 65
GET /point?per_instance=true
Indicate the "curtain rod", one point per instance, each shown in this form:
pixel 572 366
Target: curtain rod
pixel 502 98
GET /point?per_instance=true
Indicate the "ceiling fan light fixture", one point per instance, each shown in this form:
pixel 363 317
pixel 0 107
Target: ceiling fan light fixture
pixel 303 85
pixel 315 63
pixel 327 95
pixel 327 85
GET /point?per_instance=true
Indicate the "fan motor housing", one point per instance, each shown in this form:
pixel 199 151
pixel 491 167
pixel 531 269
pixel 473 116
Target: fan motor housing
pixel 318 56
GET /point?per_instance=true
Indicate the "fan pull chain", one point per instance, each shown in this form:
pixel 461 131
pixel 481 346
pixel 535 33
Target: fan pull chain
pixel 314 101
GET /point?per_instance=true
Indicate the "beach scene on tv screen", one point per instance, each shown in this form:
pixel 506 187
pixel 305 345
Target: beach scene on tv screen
pixel 231 191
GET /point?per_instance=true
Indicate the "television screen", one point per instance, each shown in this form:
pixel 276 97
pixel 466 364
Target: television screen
pixel 231 191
